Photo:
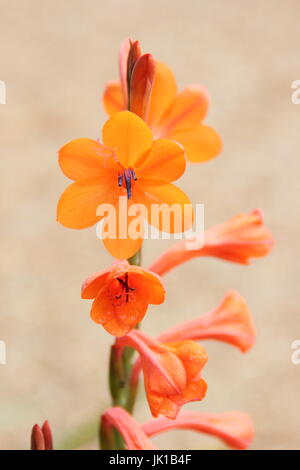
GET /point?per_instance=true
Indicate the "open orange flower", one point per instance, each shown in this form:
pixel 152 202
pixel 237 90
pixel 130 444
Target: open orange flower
pixel 171 371
pixel 129 164
pixel 238 240
pixel 170 114
pixel 230 322
pixel 122 294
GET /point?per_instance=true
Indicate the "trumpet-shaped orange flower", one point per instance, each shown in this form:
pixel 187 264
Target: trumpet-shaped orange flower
pixel 170 114
pixel 134 436
pixel 122 294
pixel 129 164
pixel 238 240
pixel 41 437
pixel 171 371
pixel 234 427
pixel 230 322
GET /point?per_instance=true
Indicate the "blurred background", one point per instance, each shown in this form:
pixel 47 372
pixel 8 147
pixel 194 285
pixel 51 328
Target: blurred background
pixel 55 58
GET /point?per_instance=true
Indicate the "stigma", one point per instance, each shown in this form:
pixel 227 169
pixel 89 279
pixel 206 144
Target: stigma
pixel 125 179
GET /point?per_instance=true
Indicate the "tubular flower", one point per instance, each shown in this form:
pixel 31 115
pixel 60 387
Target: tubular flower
pixel 41 437
pixel 230 322
pixel 129 164
pixel 122 294
pixel 171 372
pixel 170 114
pixel 238 240
pixel 234 428
pixel 132 432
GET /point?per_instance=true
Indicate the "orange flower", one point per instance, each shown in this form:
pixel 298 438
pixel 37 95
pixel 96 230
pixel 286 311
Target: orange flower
pixel 238 240
pixel 234 428
pixel 41 437
pixel 122 294
pixel 230 322
pixel 170 114
pixel 129 164
pixel 171 371
pixel 132 432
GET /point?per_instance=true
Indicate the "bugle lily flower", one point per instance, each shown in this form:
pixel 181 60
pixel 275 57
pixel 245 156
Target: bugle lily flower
pixel 230 322
pixel 241 238
pixel 128 166
pixel 172 371
pixel 169 113
pixel 122 294
pixel 234 427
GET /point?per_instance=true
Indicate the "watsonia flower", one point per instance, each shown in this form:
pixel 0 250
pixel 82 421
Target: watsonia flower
pixel 122 294
pixel 129 164
pixel 238 240
pixel 234 428
pixel 230 322
pixel 172 371
pixel 169 113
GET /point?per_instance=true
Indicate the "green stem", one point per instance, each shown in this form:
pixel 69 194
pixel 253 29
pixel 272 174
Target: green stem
pixel 122 392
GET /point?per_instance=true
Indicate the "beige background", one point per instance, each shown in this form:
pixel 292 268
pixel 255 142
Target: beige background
pixel 55 57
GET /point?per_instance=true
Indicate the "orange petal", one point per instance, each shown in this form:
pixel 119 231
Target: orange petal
pixel 200 143
pixel 91 286
pixel 149 282
pixel 129 136
pixel 165 160
pixel 152 192
pixel 119 320
pixel 86 158
pixel 192 354
pixel 187 110
pixel 163 93
pixel 123 248
pixel 78 204
pixel 113 99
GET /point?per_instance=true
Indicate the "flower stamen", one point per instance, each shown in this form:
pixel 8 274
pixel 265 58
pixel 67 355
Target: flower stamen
pixel 124 179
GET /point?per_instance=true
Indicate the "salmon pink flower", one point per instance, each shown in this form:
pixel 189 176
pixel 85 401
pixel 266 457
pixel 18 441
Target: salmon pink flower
pixel 129 164
pixel 171 115
pixel 238 240
pixel 122 294
pixel 171 371
pixel 132 432
pixel 41 437
pixel 234 428
pixel 230 322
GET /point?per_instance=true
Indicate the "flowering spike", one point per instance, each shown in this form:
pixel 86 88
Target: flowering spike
pixel 238 240
pixel 171 371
